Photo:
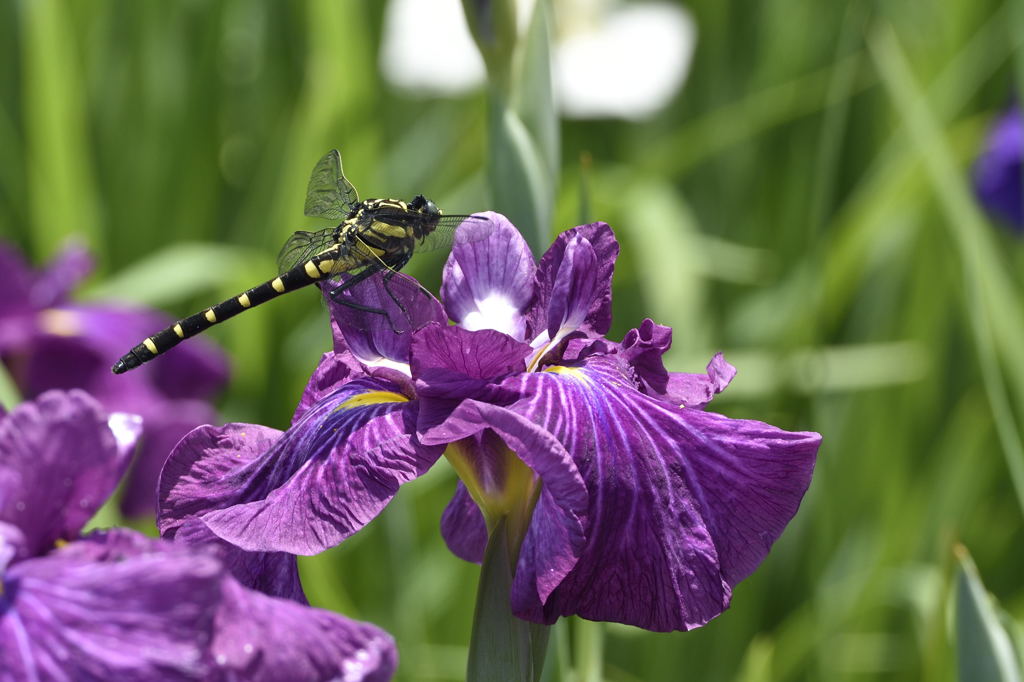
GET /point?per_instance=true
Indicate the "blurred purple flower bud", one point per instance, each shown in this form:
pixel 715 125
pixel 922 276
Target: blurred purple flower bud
pixel 47 342
pixel 998 181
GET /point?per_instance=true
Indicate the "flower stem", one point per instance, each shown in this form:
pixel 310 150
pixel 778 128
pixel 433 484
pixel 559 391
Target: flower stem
pixel 502 646
pixel 589 649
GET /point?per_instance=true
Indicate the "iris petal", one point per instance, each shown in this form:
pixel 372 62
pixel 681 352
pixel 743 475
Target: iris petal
pixel 59 461
pixel 163 430
pixel 382 340
pixel 697 390
pixel 207 469
pixel 644 346
pixel 997 172
pixel 573 290
pixel 16 279
pixel 55 282
pixel 335 369
pixel 553 540
pixel 598 309
pixel 261 638
pixel 272 573
pixel 135 610
pixel 117 605
pixel 451 364
pixel 324 479
pixel 463 527
pixel 488 284
pixel 683 503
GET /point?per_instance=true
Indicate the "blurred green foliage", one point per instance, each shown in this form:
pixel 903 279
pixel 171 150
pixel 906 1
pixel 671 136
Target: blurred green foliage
pixel 802 205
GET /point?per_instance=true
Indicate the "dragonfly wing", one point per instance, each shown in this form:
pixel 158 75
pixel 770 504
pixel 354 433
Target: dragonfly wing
pixel 330 194
pixel 450 229
pixel 302 246
pixel 455 229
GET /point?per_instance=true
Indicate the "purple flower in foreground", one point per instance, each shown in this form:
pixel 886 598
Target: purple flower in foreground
pixel 627 501
pixel 46 342
pixel 998 180
pixel 116 605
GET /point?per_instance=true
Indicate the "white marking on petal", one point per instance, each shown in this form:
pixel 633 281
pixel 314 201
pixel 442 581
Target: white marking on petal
pixel 495 312
pixel 381 361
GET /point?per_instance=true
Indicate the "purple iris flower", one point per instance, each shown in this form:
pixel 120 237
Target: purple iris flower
pixel 116 605
pixel 628 502
pixel 998 181
pixel 47 342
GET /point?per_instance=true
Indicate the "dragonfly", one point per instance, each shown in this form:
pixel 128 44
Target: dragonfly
pixel 373 236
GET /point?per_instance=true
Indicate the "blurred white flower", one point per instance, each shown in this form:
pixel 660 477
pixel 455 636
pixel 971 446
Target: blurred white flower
pixel 610 59
pixel 427 48
pixel 629 64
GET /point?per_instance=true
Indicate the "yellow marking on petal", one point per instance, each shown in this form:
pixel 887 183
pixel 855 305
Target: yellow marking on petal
pixel 372 398
pixel 211 316
pixel 311 270
pixel 573 372
pixel 150 346
pixel 60 542
pixel 514 496
pixel 244 301
pixel 278 285
pixel 60 322
pixel 179 331
pixel 326 266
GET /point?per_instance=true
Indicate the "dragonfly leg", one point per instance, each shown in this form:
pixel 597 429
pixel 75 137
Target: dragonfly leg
pixel 388 276
pixel 355 279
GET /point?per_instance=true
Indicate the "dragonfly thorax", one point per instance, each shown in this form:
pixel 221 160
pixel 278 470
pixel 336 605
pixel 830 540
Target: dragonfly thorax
pixel 419 217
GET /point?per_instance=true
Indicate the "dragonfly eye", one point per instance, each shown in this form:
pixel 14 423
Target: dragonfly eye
pixel 418 203
pixel 431 208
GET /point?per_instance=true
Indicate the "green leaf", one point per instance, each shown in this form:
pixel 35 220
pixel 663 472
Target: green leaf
pixel 523 133
pixel 984 650
pixel 9 393
pixel 60 183
pixel 521 187
pixel 534 94
pixel 493 25
pixel 503 647
pixel 991 304
pixel 172 274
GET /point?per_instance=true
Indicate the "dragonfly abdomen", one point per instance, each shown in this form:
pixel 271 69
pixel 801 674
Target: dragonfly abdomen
pixel 318 267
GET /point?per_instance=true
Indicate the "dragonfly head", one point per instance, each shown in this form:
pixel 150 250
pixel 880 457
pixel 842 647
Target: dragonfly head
pixel 425 206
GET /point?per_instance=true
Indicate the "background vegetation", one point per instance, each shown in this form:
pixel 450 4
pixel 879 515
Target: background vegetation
pixel 803 205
